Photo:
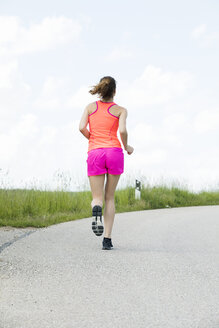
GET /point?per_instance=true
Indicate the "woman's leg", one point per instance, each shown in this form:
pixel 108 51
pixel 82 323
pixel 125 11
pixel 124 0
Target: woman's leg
pixel 109 210
pixel 97 187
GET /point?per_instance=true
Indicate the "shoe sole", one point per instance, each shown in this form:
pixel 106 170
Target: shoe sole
pixel 97 225
pixel 108 248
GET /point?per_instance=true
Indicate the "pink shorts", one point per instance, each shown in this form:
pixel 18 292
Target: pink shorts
pixel 105 160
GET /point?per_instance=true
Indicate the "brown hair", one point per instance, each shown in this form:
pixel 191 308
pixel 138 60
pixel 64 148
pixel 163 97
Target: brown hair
pixel 105 88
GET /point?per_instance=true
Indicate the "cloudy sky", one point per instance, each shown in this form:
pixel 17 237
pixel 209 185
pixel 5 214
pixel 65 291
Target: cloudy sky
pixel 164 57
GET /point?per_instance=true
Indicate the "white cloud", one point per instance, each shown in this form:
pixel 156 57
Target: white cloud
pixel 10 26
pixel 8 71
pixel 119 53
pixel 156 36
pixel 155 87
pixel 58 95
pixel 198 31
pixel 49 33
pixel 14 93
pixel 207 120
pixel 33 149
pixel 146 136
pixel 80 98
pixel 26 127
pixel 52 85
pixel 12 141
pixel 52 95
pixel 201 168
pixel 48 135
pixel 175 122
pixel 146 161
pixel 205 39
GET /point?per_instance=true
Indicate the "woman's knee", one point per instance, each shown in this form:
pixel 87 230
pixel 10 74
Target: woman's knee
pixel 109 197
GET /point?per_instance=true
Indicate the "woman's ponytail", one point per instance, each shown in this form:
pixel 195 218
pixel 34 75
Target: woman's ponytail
pixel 105 88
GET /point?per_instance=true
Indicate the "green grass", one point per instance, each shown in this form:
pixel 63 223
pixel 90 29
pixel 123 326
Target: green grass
pixel 36 208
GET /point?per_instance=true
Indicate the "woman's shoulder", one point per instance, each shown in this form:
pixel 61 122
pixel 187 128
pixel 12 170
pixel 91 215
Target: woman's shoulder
pixel 121 109
pixel 93 103
pixel 117 110
pixel 91 107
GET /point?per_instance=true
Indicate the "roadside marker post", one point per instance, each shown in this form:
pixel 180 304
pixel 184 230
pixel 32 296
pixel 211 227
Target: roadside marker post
pixel 137 189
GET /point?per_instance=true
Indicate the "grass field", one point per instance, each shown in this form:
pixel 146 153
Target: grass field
pixel 37 208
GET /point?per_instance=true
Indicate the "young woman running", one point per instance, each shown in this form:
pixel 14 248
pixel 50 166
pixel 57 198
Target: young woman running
pixel 105 153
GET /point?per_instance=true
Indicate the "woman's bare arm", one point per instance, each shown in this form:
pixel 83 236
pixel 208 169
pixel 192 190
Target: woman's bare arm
pixel 123 131
pixel 83 123
pixel 122 127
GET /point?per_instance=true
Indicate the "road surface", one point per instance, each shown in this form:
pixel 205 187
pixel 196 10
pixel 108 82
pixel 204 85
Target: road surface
pixel 162 273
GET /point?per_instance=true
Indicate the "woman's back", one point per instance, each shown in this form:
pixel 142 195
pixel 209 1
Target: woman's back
pixel 103 124
pixel 115 110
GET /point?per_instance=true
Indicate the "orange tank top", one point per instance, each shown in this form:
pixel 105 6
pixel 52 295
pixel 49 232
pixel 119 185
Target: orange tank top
pixel 103 127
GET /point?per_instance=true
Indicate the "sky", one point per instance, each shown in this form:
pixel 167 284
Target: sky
pixel 164 58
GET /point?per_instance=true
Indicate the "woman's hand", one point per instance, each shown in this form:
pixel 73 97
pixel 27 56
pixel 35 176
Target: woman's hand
pixel 129 149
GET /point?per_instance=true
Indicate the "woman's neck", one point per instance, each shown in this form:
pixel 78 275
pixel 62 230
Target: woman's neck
pixel 109 100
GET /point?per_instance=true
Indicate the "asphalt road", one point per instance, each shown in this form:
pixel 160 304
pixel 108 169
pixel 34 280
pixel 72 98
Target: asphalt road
pixel 162 273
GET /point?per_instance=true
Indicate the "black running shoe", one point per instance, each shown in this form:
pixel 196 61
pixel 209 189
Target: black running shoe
pixel 97 225
pixel 111 243
pixel 107 244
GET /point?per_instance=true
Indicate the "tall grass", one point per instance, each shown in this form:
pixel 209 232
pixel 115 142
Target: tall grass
pixel 41 208
pixel 22 208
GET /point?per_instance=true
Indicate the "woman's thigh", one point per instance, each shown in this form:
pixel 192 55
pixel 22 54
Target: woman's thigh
pixel 97 185
pixel 111 184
